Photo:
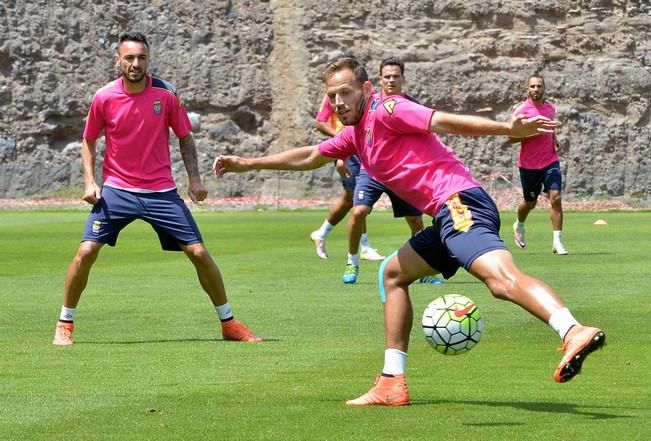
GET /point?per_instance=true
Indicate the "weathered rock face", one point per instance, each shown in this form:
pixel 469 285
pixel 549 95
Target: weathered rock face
pixel 250 71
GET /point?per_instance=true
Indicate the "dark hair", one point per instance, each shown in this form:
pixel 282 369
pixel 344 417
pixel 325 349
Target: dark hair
pixel 345 62
pixel 536 75
pixel 393 61
pixel 132 36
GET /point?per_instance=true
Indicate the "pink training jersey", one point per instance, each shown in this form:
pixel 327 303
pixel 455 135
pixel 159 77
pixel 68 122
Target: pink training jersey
pixel 136 128
pixel 327 114
pixel 395 146
pixel 538 151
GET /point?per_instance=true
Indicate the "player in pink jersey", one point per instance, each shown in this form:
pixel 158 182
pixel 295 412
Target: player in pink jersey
pixel 136 112
pixel 396 141
pixel 368 190
pixel 328 124
pixel 539 167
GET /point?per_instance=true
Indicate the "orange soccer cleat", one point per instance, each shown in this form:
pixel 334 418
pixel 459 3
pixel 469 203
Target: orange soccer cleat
pixel 63 334
pixel 579 343
pixel 235 331
pixel 387 391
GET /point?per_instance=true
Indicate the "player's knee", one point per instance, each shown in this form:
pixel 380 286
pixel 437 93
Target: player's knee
pixel 87 253
pixel 360 212
pixel 501 287
pixel 197 253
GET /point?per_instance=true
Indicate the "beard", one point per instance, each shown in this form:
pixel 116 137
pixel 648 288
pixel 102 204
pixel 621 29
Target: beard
pixel 134 76
pixel 357 117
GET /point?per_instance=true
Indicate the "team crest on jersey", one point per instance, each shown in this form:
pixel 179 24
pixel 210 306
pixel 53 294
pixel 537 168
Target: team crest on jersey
pixel 389 105
pixel 158 107
pixel 374 104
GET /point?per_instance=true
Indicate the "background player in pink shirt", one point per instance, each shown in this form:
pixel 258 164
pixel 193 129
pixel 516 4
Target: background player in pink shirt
pixel 328 123
pixel 539 167
pixel 397 143
pixel 136 112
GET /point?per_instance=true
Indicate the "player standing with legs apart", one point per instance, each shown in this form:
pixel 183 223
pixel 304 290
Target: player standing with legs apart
pixel 539 166
pixel 328 123
pixel 136 112
pixel 396 140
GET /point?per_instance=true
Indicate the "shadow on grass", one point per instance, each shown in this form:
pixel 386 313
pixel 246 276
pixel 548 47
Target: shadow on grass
pixel 168 340
pixel 564 408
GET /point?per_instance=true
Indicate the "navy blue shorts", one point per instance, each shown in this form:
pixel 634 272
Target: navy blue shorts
pixel 353 166
pixel 535 181
pixel 368 192
pixel 165 212
pixel 465 228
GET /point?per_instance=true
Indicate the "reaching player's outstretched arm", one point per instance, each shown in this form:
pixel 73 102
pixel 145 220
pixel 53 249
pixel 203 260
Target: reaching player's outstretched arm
pixel 92 192
pixel 196 189
pixel 301 158
pixel 470 125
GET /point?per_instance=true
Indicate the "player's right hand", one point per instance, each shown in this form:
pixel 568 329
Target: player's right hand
pixel 92 193
pixel 234 164
pixel 341 168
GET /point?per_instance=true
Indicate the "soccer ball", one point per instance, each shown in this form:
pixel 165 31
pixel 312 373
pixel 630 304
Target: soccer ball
pixel 452 324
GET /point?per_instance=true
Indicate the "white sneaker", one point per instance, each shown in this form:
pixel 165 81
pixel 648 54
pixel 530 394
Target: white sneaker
pixel 371 254
pixel 518 234
pixel 319 244
pixel 558 248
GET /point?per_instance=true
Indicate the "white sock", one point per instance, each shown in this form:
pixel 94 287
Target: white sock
pixel 325 229
pixel 353 259
pixel 395 362
pixel 364 242
pixel 558 235
pixel 224 311
pixel 561 321
pixel 67 314
pixel 520 224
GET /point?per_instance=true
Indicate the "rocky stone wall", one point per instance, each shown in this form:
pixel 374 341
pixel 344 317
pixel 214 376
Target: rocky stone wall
pixel 249 71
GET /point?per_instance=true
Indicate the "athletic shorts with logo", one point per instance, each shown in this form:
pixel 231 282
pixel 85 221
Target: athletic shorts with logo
pixel 466 227
pixel 165 211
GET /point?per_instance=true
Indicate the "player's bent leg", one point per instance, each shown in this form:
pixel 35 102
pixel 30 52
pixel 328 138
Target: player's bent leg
pixel 497 270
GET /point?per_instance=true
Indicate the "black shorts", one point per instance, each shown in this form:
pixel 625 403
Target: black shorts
pixel 535 181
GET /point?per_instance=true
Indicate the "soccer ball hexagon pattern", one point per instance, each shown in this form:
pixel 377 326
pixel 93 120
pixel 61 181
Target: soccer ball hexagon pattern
pixel 452 324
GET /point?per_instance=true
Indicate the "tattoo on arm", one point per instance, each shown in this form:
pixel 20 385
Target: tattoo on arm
pixel 189 155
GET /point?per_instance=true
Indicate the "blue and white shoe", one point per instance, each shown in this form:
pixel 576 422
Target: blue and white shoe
pixel 350 273
pixel 431 280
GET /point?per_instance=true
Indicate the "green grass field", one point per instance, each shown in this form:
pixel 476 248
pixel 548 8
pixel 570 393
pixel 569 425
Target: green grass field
pixel 148 362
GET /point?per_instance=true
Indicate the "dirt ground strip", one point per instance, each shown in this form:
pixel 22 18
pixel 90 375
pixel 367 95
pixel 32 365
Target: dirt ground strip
pixel 506 200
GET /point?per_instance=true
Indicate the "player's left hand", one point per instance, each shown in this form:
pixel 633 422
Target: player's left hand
pixel 197 191
pixel 225 164
pixel 523 127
